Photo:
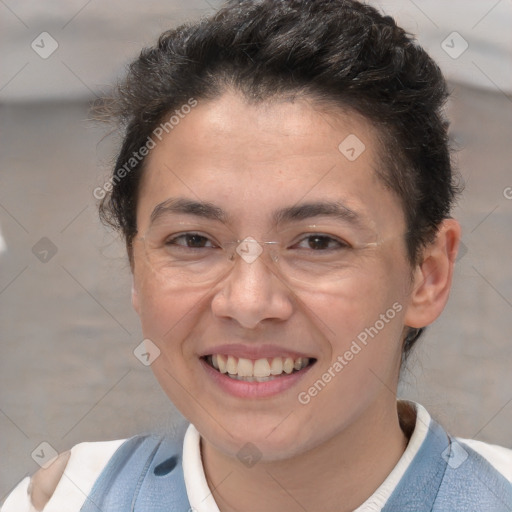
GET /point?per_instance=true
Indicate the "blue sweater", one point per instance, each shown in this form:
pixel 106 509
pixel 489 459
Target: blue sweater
pixel 146 475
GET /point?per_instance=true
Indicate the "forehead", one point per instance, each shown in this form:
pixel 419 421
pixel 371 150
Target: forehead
pixel 256 158
pixel 231 127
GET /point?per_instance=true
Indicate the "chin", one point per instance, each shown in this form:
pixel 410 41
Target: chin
pixel 270 443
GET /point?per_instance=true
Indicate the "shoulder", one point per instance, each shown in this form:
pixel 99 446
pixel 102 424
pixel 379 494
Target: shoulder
pixel 499 457
pixel 67 479
pixel 463 474
pixel 477 477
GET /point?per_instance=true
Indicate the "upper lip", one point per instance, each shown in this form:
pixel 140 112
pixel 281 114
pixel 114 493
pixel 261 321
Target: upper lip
pixel 253 351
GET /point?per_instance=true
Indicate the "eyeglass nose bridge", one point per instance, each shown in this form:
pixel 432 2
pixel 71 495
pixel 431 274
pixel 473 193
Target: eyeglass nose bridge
pixel 249 250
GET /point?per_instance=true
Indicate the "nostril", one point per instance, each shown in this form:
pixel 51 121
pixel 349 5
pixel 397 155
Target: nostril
pixel 165 467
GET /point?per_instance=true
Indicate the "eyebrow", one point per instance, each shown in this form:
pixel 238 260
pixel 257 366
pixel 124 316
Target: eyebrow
pixel 333 209
pixel 304 211
pixel 188 207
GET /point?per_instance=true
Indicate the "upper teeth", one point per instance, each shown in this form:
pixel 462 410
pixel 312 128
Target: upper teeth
pixel 259 368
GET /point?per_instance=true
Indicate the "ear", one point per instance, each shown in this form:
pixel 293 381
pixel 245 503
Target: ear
pixel 432 277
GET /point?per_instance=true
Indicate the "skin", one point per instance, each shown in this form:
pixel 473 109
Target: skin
pixel 44 482
pixel 250 160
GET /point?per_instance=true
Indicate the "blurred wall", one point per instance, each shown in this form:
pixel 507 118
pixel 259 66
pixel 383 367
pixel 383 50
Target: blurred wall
pixel 72 49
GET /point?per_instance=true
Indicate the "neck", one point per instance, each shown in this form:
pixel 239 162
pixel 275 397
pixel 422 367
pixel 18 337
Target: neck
pixel 338 475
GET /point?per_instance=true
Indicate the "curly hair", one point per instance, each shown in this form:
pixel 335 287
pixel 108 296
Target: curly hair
pixel 340 51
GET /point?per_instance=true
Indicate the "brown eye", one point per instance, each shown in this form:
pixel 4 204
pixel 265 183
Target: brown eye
pixel 190 240
pixel 321 243
pixel 318 242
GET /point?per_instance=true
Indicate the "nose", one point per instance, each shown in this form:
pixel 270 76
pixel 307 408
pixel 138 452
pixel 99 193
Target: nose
pixel 252 293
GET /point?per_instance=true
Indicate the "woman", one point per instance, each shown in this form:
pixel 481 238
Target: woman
pixel 284 188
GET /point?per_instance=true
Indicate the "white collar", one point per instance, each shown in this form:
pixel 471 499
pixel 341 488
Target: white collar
pixel 199 494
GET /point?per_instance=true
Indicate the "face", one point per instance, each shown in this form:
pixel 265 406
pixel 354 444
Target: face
pixel 330 296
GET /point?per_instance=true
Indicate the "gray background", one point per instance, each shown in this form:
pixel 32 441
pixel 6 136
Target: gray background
pixel 67 371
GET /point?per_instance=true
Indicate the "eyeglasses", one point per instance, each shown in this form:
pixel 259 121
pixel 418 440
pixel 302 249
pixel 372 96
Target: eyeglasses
pixel 312 259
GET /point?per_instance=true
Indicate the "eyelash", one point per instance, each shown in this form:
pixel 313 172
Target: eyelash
pixel 341 244
pixel 172 240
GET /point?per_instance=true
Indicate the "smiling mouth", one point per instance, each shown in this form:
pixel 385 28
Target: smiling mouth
pixel 259 370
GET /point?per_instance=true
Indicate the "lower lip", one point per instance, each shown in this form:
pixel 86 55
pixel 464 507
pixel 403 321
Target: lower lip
pixel 244 389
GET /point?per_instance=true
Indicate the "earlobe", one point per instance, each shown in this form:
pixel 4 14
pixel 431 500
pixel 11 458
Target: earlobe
pixel 432 278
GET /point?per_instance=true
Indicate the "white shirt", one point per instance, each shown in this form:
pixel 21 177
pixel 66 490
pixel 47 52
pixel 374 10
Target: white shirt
pixel 87 460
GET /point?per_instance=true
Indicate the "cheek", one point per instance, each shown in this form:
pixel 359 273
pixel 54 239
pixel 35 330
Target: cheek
pixel 357 303
pixel 164 315
pixel 362 323
pixel 167 319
